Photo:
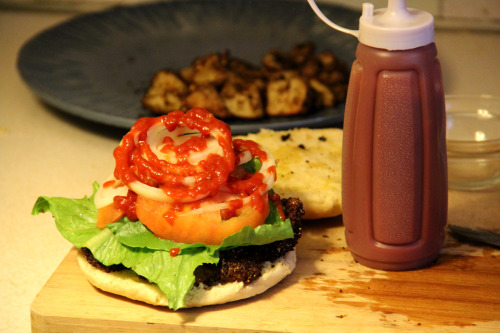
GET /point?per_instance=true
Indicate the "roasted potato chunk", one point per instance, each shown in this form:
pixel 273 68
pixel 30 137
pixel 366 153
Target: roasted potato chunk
pixel 310 68
pixel 323 96
pixel 287 95
pixel 210 69
pixel 286 83
pixel 207 97
pixel 301 53
pixel 244 70
pixel 327 60
pixel 242 99
pixel 165 93
pixel 275 60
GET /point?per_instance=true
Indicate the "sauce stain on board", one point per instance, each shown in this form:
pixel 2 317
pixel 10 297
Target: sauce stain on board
pixel 419 297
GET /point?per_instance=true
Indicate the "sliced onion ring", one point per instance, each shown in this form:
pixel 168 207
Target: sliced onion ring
pixel 110 188
pixel 181 174
pixel 267 173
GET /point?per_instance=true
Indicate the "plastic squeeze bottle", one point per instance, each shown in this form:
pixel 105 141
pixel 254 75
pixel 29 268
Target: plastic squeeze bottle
pixel 394 172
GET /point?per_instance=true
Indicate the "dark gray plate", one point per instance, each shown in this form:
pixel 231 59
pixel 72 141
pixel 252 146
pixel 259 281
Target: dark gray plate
pixel 97 66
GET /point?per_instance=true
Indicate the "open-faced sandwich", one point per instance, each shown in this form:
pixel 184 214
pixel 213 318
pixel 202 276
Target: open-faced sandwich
pixel 309 167
pixel 188 217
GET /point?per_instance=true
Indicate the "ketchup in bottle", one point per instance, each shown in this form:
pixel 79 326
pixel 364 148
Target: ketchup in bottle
pixel 394 172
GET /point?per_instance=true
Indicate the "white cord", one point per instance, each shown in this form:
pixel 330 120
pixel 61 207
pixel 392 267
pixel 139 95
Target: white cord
pixel 325 19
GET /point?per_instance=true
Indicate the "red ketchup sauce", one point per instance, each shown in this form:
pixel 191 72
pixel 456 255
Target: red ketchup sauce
pixel 175 252
pixel 276 200
pixel 135 161
pixel 127 205
pixel 109 183
pixel 231 212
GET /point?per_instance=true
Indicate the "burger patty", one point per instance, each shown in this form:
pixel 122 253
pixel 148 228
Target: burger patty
pixel 244 264
pixel 241 264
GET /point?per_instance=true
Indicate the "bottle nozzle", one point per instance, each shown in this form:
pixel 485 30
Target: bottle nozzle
pixel 393 28
pixel 367 10
pixel 396 13
pixel 397 7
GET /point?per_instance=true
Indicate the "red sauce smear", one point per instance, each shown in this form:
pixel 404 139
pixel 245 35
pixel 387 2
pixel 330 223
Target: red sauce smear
pixel 254 183
pixel 127 205
pixel 109 183
pixel 231 212
pixel 276 200
pixel 175 252
pixel 135 161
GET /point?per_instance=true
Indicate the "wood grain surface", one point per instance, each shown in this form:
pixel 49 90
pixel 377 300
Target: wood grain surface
pixel 327 292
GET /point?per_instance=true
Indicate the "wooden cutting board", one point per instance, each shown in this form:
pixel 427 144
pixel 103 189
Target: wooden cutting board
pixel 327 292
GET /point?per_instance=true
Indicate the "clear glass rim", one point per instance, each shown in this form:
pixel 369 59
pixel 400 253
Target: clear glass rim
pixel 470 146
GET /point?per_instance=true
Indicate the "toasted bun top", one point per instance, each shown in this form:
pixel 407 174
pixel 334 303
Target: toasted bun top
pixel 308 167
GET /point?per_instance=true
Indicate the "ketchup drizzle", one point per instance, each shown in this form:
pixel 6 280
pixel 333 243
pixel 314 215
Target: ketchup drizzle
pixel 136 161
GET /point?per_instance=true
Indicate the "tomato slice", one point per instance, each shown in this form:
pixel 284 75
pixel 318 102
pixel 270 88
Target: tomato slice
pixel 190 226
pixel 108 214
pixel 187 178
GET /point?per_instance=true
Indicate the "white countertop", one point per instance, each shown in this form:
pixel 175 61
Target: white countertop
pixel 44 152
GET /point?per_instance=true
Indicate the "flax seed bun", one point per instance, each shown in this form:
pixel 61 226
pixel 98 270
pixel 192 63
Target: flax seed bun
pixel 308 167
pixel 128 284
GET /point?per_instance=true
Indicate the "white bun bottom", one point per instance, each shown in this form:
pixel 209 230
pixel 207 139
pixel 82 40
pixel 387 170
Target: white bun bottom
pixel 128 284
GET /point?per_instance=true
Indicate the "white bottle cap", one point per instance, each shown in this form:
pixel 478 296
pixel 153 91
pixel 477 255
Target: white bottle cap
pixel 395 27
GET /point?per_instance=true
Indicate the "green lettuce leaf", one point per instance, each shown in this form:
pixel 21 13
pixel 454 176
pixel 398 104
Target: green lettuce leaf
pixel 134 246
pixel 173 275
pixel 135 234
pixel 75 218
